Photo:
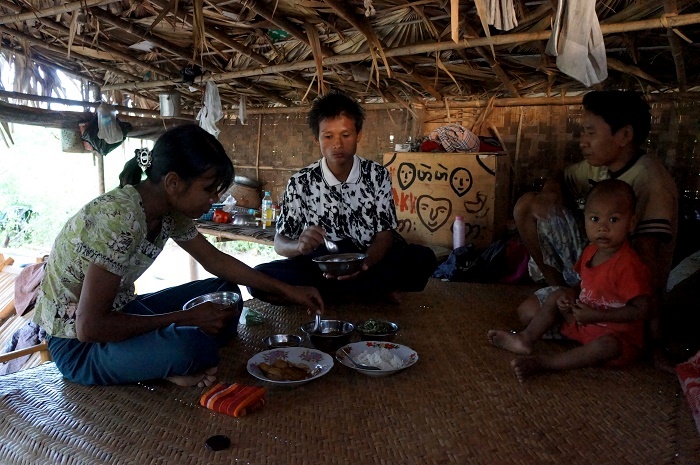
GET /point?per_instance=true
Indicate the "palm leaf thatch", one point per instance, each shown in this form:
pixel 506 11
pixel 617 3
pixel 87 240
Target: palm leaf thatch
pixel 283 52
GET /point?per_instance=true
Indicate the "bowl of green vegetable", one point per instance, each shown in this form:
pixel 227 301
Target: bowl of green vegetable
pixel 377 330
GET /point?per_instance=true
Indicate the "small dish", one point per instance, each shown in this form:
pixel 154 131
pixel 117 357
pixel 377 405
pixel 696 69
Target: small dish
pixel 319 363
pixel 277 341
pixel 407 356
pixel 377 330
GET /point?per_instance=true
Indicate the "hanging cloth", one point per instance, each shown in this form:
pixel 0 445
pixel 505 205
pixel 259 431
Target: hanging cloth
pixel 211 111
pixel 501 14
pixel 577 42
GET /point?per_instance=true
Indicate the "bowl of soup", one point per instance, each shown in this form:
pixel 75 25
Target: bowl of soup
pixel 331 334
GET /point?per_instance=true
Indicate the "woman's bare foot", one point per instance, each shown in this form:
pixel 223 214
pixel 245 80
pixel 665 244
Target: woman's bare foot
pixel 525 367
pixel 204 379
pixel 513 342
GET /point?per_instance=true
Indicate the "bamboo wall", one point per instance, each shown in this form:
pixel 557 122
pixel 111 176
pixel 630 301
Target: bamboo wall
pixel 538 138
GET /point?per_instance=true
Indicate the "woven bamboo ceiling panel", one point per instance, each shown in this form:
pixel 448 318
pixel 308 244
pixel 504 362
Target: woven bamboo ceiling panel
pixel 282 53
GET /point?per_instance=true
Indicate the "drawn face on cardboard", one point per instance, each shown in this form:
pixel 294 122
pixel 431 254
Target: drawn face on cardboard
pixel 406 175
pixel 461 181
pixel 432 212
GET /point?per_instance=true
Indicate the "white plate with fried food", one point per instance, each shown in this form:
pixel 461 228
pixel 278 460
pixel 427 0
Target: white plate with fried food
pixel 290 366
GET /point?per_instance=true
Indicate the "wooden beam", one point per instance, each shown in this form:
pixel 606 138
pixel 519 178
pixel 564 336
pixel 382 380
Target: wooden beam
pixel 77 103
pixel 670 8
pixel 504 39
pixel 143 128
pixel 454 20
pixel 152 128
pixel 56 10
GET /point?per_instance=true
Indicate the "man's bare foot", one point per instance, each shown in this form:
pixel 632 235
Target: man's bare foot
pixel 525 367
pixel 509 341
pixel 204 379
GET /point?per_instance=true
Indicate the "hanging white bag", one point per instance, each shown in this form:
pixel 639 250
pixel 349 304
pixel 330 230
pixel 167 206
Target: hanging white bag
pixel 107 124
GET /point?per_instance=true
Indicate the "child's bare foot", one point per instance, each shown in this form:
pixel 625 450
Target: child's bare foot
pixel 204 379
pixel 513 342
pixel 525 367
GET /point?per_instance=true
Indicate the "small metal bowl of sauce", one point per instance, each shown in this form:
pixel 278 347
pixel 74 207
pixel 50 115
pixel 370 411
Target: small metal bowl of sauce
pixel 277 341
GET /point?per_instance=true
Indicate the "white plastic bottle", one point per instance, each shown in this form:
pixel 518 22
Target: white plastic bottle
pixel 458 233
pixel 266 210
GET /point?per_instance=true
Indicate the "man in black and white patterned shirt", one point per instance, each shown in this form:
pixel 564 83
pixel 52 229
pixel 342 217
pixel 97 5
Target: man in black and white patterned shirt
pixel 348 200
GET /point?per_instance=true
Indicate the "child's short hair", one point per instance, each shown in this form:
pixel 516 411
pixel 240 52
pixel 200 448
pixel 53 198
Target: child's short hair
pixel 332 105
pixel 619 108
pixel 616 188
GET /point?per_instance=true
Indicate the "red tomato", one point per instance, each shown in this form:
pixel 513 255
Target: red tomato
pixel 221 216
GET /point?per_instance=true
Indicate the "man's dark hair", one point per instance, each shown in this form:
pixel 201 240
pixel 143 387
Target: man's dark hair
pixel 332 105
pixel 618 108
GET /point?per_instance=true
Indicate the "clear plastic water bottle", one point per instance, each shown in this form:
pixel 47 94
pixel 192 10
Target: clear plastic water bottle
pixel 459 232
pixel 266 210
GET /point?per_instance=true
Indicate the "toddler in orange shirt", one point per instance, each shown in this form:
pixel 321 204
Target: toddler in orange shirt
pixel 605 312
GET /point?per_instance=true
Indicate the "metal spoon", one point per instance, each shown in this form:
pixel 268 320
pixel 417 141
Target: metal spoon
pixel 360 366
pixel 317 323
pixel 330 245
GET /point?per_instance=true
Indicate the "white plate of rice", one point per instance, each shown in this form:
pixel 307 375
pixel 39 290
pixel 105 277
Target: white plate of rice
pixel 387 356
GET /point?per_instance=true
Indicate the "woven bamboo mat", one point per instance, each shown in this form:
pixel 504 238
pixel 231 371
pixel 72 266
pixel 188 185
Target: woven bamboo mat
pixel 459 404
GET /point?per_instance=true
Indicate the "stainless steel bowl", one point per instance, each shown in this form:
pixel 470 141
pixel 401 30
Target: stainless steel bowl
pixel 341 264
pixel 223 298
pixel 282 340
pixel 331 336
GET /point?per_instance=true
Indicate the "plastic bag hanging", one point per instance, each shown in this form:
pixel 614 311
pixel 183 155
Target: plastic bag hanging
pixel 211 111
pixel 108 127
pixel 242 110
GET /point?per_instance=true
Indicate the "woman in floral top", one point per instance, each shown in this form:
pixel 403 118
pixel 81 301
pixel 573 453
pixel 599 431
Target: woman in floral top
pixel 100 332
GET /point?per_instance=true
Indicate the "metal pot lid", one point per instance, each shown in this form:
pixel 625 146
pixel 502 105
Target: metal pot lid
pixel 243 181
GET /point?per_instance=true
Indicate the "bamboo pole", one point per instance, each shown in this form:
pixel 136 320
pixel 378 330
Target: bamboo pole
pixel 56 10
pixel 670 8
pixel 257 148
pixel 100 173
pixel 77 103
pixel 267 168
pixel 70 118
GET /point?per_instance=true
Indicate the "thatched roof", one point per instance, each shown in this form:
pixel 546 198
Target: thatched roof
pixel 282 53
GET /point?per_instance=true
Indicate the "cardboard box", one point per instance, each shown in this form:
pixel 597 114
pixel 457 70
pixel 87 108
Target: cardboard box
pixel 430 189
